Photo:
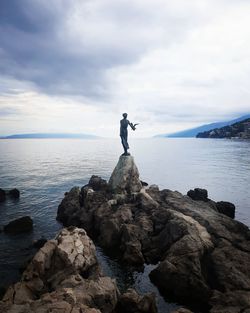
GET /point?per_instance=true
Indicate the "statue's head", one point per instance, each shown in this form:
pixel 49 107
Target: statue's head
pixel 125 115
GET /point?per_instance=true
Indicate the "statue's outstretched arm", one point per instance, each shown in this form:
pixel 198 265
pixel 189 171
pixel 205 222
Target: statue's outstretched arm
pixel 133 125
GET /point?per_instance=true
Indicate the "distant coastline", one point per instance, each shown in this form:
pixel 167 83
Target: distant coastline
pixel 50 136
pixel 193 132
pixel 239 130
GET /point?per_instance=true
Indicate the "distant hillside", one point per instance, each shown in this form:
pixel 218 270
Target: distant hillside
pixel 194 131
pixel 49 136
pixel 236 130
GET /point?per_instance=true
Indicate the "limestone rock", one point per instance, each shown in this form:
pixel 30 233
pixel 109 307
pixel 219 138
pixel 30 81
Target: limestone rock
pixel 63 276
pixel 125 177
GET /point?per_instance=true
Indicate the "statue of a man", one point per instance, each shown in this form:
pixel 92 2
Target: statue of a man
pixel 124 132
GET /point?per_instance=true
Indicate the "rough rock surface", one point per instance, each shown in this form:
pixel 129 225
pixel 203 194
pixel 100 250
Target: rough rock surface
pixel 198 194
pixel 203 256
pixel 20 225
pixel 131 302
pixel 226 208
pixel 125 176
pixel 64 276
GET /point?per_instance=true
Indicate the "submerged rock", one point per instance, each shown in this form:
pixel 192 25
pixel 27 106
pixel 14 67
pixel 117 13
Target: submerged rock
pixel 20 225
pixel 202 256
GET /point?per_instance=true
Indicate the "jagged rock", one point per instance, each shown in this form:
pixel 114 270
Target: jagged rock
pixel 132 302
pixel 226 208
pixel 2 195
pixel 196 249
pixel 125 177
pixel 14 193
pixel 20 225
pixel 70 207
pixel 97 183
pixel 198 194
pixel 63 276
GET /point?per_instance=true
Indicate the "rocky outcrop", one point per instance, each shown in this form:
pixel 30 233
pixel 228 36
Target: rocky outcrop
pixel 196 249
pixel 64 276
pixel 20 225
pixel 223 207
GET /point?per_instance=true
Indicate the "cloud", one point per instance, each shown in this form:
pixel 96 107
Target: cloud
pixel 170 64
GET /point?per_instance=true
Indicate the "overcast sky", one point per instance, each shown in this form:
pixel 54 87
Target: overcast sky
pixel 77 65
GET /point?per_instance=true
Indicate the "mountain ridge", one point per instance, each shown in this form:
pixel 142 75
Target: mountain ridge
pixel 192 132
pixel 236 130
pixel 50 136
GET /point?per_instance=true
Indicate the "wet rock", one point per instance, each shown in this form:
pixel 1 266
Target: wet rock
pixel 2 195
pixel 226 208
pixel 125 177
pixel 63 276
pixel 20 225
pixel 132 302
pixel 198 194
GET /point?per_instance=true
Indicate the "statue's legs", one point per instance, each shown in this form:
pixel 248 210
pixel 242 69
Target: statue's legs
pixel 125 145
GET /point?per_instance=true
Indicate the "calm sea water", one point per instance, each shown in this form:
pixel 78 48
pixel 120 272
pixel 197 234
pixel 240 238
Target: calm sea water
pixel 44 169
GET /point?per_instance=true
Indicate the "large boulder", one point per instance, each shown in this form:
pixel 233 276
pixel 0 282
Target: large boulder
pixel 20 225
pixel 63 276
pixel 125 177
pixel 226 208
pixel 198 194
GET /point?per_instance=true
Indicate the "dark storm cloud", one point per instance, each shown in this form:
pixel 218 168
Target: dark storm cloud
pixel 66 46
pixel 33 48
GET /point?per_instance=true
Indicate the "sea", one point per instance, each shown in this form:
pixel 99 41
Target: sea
pixel 44 169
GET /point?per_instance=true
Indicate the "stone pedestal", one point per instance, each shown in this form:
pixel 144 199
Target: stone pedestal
pixel 125 177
